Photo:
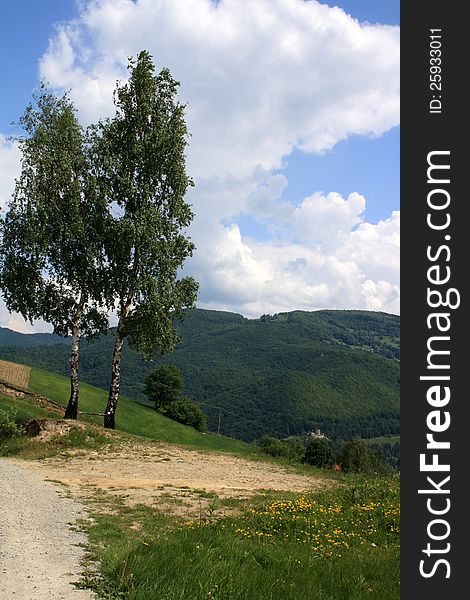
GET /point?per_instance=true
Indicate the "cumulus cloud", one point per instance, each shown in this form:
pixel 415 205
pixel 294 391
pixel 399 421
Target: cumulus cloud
pixel 16 322
pixel 9 169
pixel 260 79
pixel 324 256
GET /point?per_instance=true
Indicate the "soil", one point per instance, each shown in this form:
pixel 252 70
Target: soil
pixel 40 553
pixel 160 474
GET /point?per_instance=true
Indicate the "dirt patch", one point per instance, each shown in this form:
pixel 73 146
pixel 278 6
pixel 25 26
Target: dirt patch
pixel 14 374
pixel 43 430
pixel 178 480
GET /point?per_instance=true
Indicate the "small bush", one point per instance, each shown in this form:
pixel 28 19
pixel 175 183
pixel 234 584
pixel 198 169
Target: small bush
pixel 318 453
pixel 8 426
pixel 187 412
pixel 274 447
pixel 297 449
pixel 356 457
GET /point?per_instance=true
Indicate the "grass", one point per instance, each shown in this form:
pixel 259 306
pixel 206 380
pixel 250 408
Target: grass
pixel 22 446
pixel 134 418
pixel 141 422
pixel 341 544
pixel 24 409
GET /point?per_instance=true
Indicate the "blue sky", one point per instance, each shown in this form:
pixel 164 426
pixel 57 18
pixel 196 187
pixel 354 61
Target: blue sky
pixel 25 28
pixel 371 165
pixel 252 175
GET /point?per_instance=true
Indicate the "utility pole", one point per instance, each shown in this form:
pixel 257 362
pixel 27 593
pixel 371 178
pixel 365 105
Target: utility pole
pixel 218 425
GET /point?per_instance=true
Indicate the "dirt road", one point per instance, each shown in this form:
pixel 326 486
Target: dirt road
pixel 39 553
pixel 157 474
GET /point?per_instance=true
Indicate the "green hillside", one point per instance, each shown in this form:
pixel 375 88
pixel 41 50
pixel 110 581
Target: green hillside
pixel 13 338
pixel 282 374
pixel 131 417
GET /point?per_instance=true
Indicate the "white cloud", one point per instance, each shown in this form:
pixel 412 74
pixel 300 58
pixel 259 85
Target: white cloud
pixel 9 169
pixel 16 322
pixel 260 79
pixel 319 259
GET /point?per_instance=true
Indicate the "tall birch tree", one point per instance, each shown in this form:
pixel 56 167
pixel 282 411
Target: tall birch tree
pixel 141 174
pixel 51 253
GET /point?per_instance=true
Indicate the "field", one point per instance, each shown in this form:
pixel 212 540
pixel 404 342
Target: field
pixel 14 374
pixel 337 545
pixel 209 518
pixel 132 417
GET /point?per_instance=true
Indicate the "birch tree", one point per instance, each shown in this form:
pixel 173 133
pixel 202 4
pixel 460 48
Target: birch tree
pixel 140 155
pixel 51 254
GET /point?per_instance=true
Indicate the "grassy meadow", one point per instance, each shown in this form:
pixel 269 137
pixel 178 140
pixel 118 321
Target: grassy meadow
pixel 343 544
pixel 340 544
pixel 134 418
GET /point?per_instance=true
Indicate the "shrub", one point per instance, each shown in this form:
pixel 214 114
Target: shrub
pixel 8 426
pixel 186 411
pixel 318 453
pixel 163 386
pixel 356 457
pixel 274 447
pixel 297 449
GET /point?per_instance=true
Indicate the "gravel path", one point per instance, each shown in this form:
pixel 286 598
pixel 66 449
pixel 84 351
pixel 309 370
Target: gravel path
pixel 39 554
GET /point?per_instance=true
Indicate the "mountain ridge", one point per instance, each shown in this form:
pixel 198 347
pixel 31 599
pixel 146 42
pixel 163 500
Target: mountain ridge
pixel 282 374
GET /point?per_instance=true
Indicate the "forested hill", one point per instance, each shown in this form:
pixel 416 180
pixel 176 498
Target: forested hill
pixel 13 338
pixel 283 374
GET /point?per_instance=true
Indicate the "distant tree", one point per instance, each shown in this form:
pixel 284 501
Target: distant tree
pixel 51 251
pixel 318 453
pixel 141 158
pixel 355 457
pixel 186 411
pixel 163 385
pixel 297 448
pixel 274 447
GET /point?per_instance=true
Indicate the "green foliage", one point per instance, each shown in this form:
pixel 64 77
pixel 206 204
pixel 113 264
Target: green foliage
pixel 51 249
pixel 274 447
pixel 357 457
pixel 297 449
pixel 291 449
pixel 24 409
pixel 141 154
pixel 8 425
pixel 163 385
pixel 51 239
pixel 137 419
pixel 140 158
pixel 14 338
pixel 318 453
pixel 282 375
pixel 187 412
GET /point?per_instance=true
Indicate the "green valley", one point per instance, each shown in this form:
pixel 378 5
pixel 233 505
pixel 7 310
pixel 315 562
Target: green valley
pixel 280 375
